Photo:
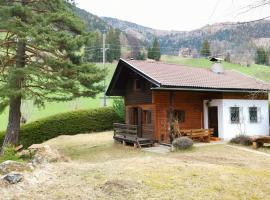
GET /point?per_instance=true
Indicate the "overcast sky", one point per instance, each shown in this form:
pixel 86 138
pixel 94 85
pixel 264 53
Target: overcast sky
pixel 174 14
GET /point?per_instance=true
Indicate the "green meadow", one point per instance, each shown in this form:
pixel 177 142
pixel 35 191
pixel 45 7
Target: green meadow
pixel 59 107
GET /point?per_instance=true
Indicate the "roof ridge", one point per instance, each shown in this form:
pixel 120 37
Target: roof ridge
pixel 194 76
pixel 202 68
pixel 174 64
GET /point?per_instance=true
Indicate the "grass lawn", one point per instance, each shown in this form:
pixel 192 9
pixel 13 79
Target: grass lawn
pixel 55 108
pixel 100 169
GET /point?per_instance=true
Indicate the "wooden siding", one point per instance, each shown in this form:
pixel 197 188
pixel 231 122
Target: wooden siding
pixel 190 102
pixel 138 96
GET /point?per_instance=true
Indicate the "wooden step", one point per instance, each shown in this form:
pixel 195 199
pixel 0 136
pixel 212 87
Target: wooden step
pixel 145 141
pixel 146 144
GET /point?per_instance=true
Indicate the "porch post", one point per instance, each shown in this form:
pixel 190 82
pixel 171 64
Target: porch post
pixel 140 133
pixel 171 116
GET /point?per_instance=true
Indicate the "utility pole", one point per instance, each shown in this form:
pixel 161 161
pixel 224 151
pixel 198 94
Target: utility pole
pixel 104 60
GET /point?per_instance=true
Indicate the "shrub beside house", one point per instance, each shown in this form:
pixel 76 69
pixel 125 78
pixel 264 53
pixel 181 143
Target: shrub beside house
pixel 70 123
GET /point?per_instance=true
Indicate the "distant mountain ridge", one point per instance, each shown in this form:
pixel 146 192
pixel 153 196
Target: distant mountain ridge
pixel 141 32
pixel 92 21
pixel 238 39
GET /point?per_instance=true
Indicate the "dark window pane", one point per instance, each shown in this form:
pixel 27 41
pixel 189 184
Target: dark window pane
pixel 235 115
pixel 253 114
pixel 179 115
pixel 137 84
pixel 147 117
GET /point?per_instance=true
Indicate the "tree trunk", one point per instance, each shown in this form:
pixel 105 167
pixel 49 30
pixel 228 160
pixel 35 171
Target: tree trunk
pixel 13 128
pixel 16 80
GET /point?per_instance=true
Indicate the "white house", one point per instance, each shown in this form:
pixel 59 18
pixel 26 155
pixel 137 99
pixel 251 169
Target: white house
pixel 239 116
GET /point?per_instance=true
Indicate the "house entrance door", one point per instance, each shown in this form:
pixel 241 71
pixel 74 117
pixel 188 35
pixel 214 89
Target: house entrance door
pixel 136 119
pixel 213 119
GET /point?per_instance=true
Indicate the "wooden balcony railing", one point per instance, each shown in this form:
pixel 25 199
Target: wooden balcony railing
pixel 125 129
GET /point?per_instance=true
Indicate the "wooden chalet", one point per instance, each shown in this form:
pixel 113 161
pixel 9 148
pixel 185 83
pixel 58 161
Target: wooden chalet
pixel 156 93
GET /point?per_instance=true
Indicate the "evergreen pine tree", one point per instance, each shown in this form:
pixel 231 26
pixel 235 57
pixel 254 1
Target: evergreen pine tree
pixel 113 42
pixel 109 42
pixel 141 56
pixel 116 45
pixel 93 52
pixel 154 51
pixel 205 50
pixel 261 56
pixel 150 53
pixel 41 57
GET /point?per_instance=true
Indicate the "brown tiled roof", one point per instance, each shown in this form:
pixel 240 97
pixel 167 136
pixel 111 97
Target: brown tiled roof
pixel 170 75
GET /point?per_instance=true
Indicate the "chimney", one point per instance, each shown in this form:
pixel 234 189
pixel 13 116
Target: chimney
pixel 217 66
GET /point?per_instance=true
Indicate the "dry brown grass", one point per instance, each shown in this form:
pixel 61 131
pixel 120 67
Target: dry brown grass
pixel 102 170
pixel 97 147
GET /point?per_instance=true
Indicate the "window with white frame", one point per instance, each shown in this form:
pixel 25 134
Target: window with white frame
pixel 235 115
pixel 253 114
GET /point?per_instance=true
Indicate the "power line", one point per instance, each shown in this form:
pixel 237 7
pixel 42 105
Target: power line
pixel 104 60
pixel 172 49
pixel 214 10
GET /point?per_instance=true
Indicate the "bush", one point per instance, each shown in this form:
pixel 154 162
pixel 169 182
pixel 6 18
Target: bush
pixel 119 108
pixel 9 154
pixel 182 143
pixel 70 123
pixel 241 139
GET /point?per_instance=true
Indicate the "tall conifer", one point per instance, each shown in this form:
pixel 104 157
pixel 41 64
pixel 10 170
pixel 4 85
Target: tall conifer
pixel 205 50
pixel 154 51
pixel 40 57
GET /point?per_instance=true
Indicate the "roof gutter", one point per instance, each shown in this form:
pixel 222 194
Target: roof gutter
pixel 210 90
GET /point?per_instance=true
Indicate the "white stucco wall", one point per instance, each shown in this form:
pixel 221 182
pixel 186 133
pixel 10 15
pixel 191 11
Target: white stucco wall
pixel 227 130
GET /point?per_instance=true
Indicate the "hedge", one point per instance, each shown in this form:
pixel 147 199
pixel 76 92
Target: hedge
pixel 70 123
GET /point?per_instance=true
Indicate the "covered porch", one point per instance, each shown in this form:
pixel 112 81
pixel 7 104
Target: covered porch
pixel 173 114
pixel 129 134
pixel 186 113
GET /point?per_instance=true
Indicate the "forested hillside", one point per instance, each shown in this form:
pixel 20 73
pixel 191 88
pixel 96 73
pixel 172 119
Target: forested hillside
pixel 238 39
pixel 93 22
pixel 224 37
